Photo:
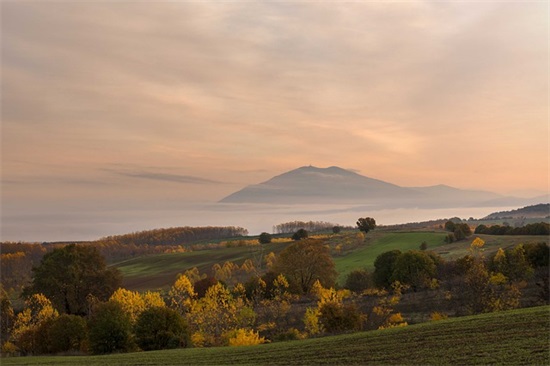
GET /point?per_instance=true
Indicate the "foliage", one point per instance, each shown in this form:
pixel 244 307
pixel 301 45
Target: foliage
pixel 244 337
pixel 336 229
pixel 305 262
pixel 201 287
pixel 181 295
pixel 217 313
pixel 414 268
pixel 293 226
pixel 300 234
pixel 161 328
pixel 30 325
pixel 264 238
pixel 133 303
pixel 540 228
pixel 383 268
pixel 537 254
pixel 366 224
pixel 358 280
pixel 68 333
pixel 69 274
pixel 337 317
pixel 7 317
pixel 110 329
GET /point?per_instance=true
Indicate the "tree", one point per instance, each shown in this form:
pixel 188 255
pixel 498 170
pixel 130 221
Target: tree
pixel 414 268
pixel 7 317
pixel 366 224
pixel 135 303
pixel 305 262
pixel 336 229
pixel 110 329
pixel 67 333
pixel 358 280
pixel 68 275
pixel 300 234
pixel 264 238
pixel 383 268
pixel 161 328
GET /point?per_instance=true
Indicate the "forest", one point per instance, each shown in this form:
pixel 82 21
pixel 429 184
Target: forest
pixel 74 302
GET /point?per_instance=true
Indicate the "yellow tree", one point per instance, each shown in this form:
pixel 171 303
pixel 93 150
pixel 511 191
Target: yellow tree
pixel 133 303
pixel 182 294
pixel 216 314
pixel 27 334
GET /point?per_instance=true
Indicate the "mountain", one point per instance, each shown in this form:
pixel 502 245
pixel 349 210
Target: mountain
pixel 536 211
pixel 314 185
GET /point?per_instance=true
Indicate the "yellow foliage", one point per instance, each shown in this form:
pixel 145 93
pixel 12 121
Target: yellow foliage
pixel 436 315
pixel 193 275
pixel 395 320
pixel 311 321
pixel 478 243
pixel 134 303
pixel 182 293
pixel 270 260
pixel 497 279
pixel 244 337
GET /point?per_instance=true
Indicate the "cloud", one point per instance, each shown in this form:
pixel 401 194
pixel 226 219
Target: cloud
pixel 185 179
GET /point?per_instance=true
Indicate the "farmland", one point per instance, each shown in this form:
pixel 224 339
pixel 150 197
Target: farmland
pixel 509 338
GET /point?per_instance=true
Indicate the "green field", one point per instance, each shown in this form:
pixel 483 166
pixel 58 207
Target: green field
pixel 517 337
pixel 377 243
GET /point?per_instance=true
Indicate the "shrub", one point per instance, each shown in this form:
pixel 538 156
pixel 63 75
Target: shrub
pixel 264 238
pixel 337 318
pixel 244 337
pixel 300 234
pixel 358 280
pixel 161 328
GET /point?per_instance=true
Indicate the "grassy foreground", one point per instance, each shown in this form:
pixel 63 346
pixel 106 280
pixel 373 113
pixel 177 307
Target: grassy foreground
pixel 517 337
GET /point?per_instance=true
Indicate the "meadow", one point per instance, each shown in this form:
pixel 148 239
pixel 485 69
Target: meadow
pixel 516 337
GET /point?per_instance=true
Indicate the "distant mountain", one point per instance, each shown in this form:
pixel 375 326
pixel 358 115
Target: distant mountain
pixel 314 185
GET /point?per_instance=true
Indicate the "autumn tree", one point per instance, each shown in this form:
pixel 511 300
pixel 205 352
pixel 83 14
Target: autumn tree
pixel 68 275
pixel 68 333
pixel 305 262
pixel 29 329
pixel 134 303
pixel 7 317
pixel 358 280
pixel 366 224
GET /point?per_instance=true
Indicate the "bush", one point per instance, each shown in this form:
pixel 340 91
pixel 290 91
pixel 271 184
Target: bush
pixel 161 328
pixel 264 238
pixel 358 280
pixel 337 318
pixel 110 329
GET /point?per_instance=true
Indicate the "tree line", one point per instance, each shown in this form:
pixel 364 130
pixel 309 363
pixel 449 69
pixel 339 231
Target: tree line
pixel 539 228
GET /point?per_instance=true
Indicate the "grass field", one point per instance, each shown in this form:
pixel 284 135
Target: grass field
pixel 517 337
pixel 380 242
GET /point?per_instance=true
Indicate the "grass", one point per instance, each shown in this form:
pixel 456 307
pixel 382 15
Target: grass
pixel 380 242
pixel 517 337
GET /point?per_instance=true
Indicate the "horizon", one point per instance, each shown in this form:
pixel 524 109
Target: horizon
pixel 138 107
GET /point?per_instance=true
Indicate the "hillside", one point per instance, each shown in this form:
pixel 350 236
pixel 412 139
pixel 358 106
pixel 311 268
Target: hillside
pixel 312 185
pixel 535 211
pixel 517 337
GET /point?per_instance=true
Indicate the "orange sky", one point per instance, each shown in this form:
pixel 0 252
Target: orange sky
pixel 191 101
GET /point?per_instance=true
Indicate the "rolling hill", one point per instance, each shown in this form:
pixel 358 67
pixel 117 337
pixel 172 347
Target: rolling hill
pixel 312 185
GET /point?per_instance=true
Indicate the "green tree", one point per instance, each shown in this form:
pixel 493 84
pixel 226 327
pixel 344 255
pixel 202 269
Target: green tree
pixel 264 238
pixel 161 328
pixel 300 234
pixel 305 262
pixel 68 333
pixel 366 224
pixel 68 275
pixel 383 268
pixel 110 329
pixel 336 229
pixel 414 268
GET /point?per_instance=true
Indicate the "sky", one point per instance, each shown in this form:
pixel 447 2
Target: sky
pixel 140 105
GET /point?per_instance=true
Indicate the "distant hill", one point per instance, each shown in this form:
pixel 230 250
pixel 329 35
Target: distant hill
pixel 541 210
pixel 312 185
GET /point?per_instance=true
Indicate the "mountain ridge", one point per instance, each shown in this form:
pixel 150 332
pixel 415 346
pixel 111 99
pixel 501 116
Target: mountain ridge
pixel 313 185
